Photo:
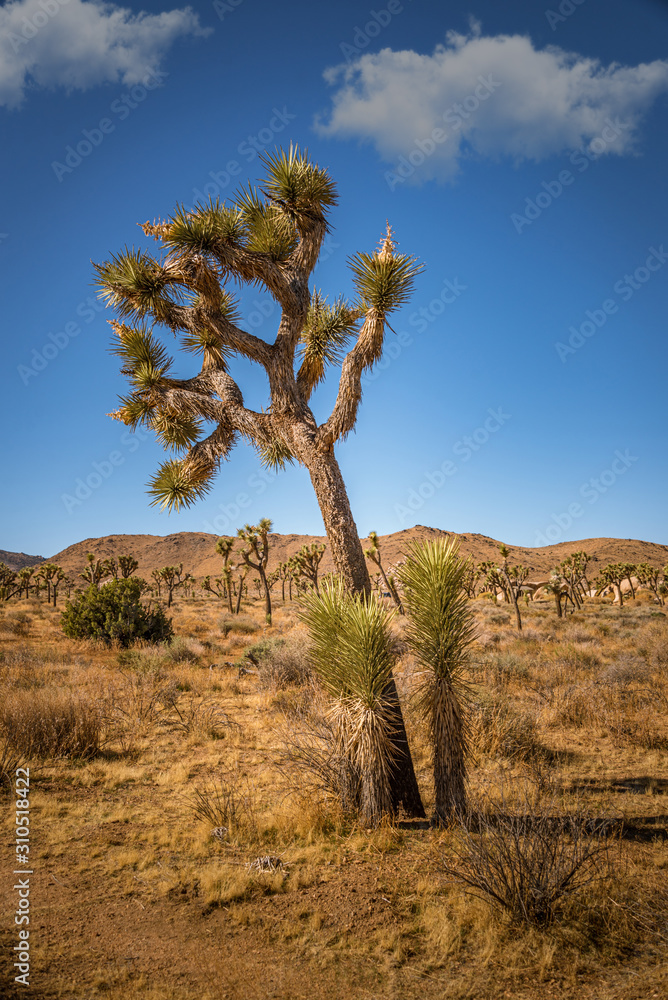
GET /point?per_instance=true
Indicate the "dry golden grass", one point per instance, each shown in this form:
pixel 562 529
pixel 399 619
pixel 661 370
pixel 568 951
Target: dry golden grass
pixel 574 709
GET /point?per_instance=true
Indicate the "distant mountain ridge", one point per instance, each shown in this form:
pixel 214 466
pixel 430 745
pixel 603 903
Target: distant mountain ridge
pixel 17 560
pixel 196 550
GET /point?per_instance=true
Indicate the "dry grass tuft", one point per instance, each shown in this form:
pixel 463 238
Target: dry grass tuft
pixel 43 723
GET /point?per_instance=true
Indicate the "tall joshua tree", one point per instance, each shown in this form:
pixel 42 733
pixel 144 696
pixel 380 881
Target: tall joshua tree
pixel 224 548
pixel 269 237
pixel 512 578
pixel 24 576
pixel 309 558
pixel 172 577
pixel 256 537
pixel 95 571
pixel 373 554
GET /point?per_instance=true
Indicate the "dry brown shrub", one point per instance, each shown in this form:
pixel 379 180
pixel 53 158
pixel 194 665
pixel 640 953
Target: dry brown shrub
pixel 646 730
pixel 43 723
pixel 10 760
pixel 497 729
pixel 17 623
pixel 579 655
pixel 653 645
pixel 281 663
pixel 528 864
pixel 192 715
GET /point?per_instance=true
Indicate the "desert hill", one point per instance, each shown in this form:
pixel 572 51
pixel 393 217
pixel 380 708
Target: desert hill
pixel 17 560
pixel 196 550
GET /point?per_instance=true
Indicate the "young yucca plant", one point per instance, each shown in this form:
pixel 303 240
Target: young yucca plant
pixel 440 630
pixel 352 653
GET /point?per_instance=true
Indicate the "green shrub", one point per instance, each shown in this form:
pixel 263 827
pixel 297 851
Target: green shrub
pixel 115 613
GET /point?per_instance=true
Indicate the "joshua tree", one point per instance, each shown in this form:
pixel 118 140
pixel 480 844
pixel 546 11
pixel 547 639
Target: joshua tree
pixel 95 571
pixel 571 574
pixel 284 572
pixel 490 573
pixel 629 570
pixel 9 585
pixel 470 578
pixel 224 548
pixel 269 237
pixel 111 567
pixel 24 576
pixel 256 537
pixel 56 580
pixel 373 553
pixel 294 573
pixel 127 566
pixel 512 578
pixel 156 576
pixel 440 630
pixel 242 572
pixel 556 588
pixel 309 558
pixel 612 576
pixel 49 572
pixel 172 578
pixel 647 575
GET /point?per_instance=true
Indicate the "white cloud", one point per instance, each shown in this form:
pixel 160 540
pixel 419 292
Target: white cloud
pixel 77 44
pixel 537 104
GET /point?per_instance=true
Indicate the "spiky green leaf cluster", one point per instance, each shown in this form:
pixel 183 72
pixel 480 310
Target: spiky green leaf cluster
pixel 134 410
pixel 209 229
pixel 268 230
pixel 274 455
pixel 134 284
pixel 176 431
pixel 384 282
pixel 297 184
pixel 179 483
pixel 351 643
pixel 207 343
pixel 145 360
pixel 323 340
pixel 441 625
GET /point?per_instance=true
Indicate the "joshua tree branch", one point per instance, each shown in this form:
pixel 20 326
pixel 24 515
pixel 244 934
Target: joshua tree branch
pixel 367 349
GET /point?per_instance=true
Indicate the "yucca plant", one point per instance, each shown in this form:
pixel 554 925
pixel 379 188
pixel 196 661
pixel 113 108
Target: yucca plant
pixel 440 630
pixel 352 653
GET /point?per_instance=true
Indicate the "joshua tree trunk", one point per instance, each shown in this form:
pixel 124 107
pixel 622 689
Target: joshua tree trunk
pixel 449 748
pixel 349 561
pixel 404 787
pixel 267 594
pixel 340 526
pixel 508 588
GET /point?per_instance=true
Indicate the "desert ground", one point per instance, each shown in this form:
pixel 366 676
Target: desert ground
pixel 133 895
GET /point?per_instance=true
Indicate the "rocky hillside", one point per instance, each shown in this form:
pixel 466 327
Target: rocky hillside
pixel 17 560
pixel 196 550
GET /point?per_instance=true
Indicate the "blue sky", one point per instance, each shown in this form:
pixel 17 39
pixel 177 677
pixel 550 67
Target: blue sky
pixel 518 149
